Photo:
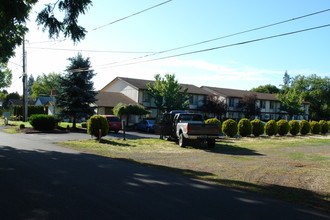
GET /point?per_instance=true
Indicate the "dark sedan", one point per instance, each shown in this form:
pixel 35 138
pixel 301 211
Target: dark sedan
pixel 147 125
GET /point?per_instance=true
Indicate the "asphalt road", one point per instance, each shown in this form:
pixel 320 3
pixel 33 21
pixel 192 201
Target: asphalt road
pixel 40 180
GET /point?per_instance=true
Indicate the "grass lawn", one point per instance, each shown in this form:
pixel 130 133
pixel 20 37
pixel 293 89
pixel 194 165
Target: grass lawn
pixel 14 125
pixel 295 169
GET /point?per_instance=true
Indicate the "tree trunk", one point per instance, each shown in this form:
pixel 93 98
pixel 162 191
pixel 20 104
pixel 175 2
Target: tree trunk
pixel 74 122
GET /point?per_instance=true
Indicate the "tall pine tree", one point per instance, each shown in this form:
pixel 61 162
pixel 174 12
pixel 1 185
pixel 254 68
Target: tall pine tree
pixel 76 93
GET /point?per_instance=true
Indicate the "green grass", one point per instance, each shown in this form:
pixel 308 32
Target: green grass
pixel 66 124
pixel 11 130
pixel 291 168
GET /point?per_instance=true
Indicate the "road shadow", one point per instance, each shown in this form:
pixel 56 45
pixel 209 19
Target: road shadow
pixel 42 184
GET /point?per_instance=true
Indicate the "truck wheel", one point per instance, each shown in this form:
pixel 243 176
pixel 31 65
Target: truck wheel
pixel 182 140
pixel 211 143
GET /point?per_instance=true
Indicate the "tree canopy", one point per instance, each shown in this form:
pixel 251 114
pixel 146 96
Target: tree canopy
pixel 312 89
pixel 248 105
pixel 76 94
pixel 15 13
pixel 168 94
pixel 5 76
pixel 266 89
pixel 44 84
pixel 215 105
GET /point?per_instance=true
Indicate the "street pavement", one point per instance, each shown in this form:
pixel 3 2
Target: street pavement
pixel 41 180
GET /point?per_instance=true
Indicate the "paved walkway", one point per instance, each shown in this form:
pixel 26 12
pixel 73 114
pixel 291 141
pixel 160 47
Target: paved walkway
pixel 40 180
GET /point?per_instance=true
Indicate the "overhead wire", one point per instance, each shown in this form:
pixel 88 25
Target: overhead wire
pixel 134 14
pixel 224 46
pixel 221 37
pixel 92 51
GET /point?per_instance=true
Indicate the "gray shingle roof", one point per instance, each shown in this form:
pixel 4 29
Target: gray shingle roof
pixel 142 84
pixel 111 99
pixel 45 100
pixel 235 93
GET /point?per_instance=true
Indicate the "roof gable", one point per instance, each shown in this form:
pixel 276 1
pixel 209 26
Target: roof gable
pixel 111 99
pixel 142 85
pixel 44 100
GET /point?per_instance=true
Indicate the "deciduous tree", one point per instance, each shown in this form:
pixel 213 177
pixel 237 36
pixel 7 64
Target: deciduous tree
pixel 215 105
pixel 45 83
pixel 248 105
pixel 266 89
pixel 168 93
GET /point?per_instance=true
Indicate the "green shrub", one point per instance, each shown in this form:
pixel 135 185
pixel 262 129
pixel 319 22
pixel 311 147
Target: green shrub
pixel 271 128
pixel 294 127
pixel 315 127
pixel 95 123
pixel 324 126
pixel 257 127
pixel 214 121
pixel 42 122
pixel 21 126
pixel 84 124
pixel 244 127
pixel 329 125
pixel 229 127
pixel 304 127
pixel 283 127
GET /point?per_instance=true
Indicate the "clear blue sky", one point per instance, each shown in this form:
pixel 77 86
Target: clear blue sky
pixel 179 23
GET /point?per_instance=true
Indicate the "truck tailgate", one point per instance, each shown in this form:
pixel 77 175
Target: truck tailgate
pixel 203 129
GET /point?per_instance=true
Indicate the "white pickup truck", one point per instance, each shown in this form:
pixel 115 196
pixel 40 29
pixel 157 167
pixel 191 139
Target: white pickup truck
pixel 186 127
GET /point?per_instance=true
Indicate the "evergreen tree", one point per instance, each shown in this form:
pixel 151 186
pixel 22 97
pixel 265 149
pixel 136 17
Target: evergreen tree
pixel 30 84
pixel 76 93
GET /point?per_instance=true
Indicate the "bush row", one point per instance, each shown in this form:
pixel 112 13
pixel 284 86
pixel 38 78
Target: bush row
pixel 245 127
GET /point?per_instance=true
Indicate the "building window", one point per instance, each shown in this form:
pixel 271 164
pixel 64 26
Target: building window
pixel 193 100
pixel 146 97
pixel 271 105
pixel 231 102
pixel 263 104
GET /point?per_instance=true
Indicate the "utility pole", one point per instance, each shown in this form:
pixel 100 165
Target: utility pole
pixel 25 96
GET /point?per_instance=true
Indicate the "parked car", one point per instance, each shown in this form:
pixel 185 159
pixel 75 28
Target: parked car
pixel 147 125
pixel 114 123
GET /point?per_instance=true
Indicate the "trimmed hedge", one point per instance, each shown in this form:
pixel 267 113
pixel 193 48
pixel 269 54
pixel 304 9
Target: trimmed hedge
pixel 271 128
pixel 304 127
pixel 214 121
pixel 294 127
pixel 42 122
pixel 32 110
pixel 283 127
pixel 315 127
pixel 324 126
pixel 229 127
pixel 257 127
pixel 244 127
pixel 95 123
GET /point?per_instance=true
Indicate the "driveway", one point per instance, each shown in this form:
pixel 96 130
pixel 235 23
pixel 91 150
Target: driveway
pixel 40 180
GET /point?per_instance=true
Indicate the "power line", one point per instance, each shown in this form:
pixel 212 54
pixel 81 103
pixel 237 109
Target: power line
pixel 131 15
pixel 92 51
pixel 222 37
pixel 15 63
pixel 225 46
